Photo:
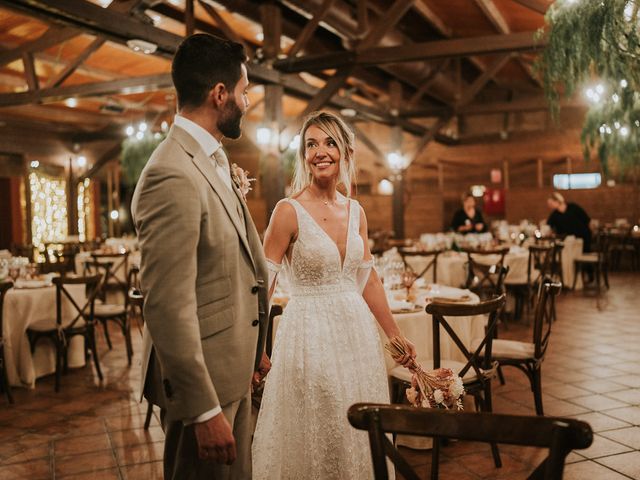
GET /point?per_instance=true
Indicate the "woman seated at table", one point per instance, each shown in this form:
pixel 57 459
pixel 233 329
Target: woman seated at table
pixel 469 218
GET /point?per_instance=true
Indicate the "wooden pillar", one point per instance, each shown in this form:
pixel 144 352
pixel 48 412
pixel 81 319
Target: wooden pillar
pixel 505 174
pixel 116 197
pixel 271 163
pixel 540 173
pixel 189 18
pixel 109 201
pixel 569 170
pixel 398 176
pixel 440 176
pixel 28 213
pixel 363 18
pixel 72 201
pixel 398 203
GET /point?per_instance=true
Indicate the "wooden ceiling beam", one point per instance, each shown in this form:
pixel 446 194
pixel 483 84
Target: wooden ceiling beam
pixel 72 66
pixel 459 47
pixel 113 87
pixel 30 72
pixel 493 13
pixel 536 5
pixel 51 37
pixel 428 136
pixel 470 92
pixel 226 29
pixel 311 26
pixel 426 82
pixel 105 22
pixel 119 28
pixel 386 22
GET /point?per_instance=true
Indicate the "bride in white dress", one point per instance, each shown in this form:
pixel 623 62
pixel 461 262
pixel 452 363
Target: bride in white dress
pixel 327 353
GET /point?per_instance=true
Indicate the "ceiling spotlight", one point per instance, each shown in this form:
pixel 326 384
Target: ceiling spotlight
pixel 82 161
pixel 71 102
pixel 35 164
pixel 348 112
pixel 130 130
pixel 138 45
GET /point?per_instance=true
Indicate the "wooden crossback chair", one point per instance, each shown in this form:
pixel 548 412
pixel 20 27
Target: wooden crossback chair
pixel 539 266
pixel 431 255
pixel 476 372
pixel 485 278
pixel 112 311
pixel 527 356
pixel 63 330
pixel 4 377
pixel 118 262
pixel 559 435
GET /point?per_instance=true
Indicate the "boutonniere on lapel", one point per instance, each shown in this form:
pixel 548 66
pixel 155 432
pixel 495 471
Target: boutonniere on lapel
pixel 241 179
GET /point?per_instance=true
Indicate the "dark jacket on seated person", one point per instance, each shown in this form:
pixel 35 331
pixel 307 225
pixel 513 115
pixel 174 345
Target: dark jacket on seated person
pixel 461 218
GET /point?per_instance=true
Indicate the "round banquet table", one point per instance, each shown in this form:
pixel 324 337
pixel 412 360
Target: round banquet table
pixel 23 308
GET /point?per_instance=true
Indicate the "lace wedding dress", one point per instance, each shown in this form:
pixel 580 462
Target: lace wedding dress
pixel 327 356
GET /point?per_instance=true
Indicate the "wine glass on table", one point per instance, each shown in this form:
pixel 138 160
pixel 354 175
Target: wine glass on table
pixel 408 279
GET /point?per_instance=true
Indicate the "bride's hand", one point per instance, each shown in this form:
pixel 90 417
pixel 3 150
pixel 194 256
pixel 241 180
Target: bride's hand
pixel 410 355
pixel 263 369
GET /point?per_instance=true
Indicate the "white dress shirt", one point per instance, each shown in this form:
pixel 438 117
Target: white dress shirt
pixel 207 143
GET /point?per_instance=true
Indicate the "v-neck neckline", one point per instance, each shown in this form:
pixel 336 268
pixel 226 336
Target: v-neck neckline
pixel 333 242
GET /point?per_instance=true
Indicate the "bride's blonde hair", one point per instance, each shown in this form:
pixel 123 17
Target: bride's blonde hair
pixel 338 130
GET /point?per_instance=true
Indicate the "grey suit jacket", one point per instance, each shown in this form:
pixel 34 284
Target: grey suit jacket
pixel 203 276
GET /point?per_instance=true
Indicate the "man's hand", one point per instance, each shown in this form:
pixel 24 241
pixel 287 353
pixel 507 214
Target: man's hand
pixel 263 369
pixel 215 440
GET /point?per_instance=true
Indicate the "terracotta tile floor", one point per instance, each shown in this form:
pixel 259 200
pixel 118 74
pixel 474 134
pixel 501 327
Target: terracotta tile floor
pixel 591 372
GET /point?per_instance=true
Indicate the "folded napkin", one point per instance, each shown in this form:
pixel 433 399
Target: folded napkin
pixel 444 292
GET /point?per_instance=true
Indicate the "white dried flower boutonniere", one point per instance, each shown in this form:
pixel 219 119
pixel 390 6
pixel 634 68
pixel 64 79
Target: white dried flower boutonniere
pixel 241 179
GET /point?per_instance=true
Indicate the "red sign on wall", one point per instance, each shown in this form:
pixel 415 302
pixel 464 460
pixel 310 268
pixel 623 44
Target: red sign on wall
pixel 493 201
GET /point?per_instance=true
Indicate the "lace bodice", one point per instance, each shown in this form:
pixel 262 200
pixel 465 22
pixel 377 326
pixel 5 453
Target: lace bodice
pixel 316 265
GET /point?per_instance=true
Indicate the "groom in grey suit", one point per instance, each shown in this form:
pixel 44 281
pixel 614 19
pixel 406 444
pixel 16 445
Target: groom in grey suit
pixel 203 272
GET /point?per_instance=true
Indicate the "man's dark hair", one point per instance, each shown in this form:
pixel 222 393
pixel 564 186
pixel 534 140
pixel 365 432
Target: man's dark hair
pixel 201 61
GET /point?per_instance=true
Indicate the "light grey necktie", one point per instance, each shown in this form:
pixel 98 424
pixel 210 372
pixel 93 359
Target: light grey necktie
pixel 221 159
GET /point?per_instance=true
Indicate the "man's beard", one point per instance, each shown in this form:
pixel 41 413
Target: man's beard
pixel 229 121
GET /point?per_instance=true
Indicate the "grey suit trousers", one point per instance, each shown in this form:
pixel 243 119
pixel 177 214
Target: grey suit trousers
pixel 181 461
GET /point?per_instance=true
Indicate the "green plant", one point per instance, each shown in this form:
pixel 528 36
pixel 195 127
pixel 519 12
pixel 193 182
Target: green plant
pixel 136 153
pixel 597 41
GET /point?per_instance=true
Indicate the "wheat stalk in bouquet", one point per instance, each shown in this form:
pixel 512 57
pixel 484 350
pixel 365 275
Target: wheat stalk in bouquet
pixel 439 388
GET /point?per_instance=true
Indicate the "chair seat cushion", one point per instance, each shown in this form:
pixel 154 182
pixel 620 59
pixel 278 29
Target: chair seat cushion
pixel 108 309
pixel 404 374
pixel 50 325
pixel 508 349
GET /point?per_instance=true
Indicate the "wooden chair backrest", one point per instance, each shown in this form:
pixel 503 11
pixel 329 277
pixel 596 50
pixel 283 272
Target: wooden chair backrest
pixel 559 435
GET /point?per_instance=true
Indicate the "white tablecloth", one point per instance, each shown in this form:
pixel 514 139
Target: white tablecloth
pixel 452 268
pixel 24 308
pixel 120 273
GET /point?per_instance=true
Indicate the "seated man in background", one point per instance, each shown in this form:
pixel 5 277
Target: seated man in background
pixel 468 219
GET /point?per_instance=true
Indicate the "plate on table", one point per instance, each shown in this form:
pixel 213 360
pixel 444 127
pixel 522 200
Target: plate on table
pixel 402 306
pixel 446 294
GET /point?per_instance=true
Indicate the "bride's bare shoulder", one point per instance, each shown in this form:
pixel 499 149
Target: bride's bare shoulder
pixel 284 215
